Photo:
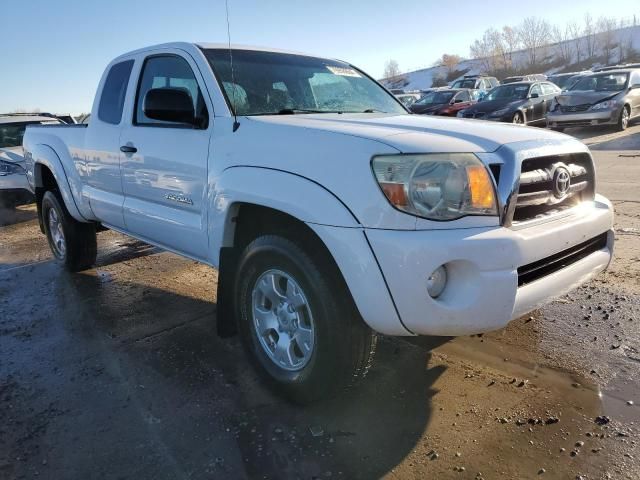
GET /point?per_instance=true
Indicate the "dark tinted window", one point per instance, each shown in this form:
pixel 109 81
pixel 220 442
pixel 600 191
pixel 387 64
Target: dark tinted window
pixel 114 91
pixel 169 71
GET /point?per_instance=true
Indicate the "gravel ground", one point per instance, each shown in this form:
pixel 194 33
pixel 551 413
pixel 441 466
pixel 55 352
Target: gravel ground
pixel 117 373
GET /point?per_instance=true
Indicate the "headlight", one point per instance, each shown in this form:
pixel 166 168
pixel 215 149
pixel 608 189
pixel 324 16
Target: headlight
pixel 460 113
pixel 7 168
pixel 604 105
pixel 437 186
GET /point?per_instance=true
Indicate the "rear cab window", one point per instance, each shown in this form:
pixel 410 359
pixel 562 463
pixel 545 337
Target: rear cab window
pixel 114 92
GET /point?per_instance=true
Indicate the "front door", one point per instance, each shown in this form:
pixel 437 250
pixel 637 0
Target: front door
pixel 537 104
pixel 164 164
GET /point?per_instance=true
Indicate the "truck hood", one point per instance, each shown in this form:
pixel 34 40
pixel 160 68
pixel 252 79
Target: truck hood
pixel 12 155
pixel 570 99
pixel 415 133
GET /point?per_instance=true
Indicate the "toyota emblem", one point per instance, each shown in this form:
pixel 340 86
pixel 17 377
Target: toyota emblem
pixel 561 182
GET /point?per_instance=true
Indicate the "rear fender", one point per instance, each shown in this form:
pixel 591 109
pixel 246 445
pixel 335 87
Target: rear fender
pixel 44 156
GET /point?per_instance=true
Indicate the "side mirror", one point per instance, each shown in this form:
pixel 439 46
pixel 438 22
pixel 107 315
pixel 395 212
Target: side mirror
pixel 458 100
pixel 534 95
pixel 170 105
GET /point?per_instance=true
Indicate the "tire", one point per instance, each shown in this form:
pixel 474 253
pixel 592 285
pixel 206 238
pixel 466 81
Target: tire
pixel 623 120
pixel 518 118
pixel 73 243
pixel 557 129
pixel 339 346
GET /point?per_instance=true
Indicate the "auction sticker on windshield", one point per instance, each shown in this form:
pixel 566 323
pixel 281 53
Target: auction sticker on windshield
pixel 342 71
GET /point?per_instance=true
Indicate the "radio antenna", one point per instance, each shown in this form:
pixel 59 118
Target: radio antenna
pixel 236 124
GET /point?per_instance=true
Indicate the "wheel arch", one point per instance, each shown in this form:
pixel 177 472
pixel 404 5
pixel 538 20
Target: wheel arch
pixel 47 170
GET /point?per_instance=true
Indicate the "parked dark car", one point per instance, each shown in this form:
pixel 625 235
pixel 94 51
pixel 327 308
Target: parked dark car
pixel 611 97
pixel 476 82
pixel 567 80
pixel 520 102
pixel 443 102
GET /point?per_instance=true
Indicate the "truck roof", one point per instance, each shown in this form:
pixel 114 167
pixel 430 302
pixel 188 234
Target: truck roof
pixel 207 45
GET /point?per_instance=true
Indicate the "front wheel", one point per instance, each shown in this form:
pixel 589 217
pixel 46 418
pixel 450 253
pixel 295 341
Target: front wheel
pixel 298 322
pixel 517 119
pixel 623 120
pixel 73 243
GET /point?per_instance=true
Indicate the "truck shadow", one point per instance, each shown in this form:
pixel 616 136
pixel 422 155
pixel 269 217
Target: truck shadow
pixel 11 216
pixel 185 394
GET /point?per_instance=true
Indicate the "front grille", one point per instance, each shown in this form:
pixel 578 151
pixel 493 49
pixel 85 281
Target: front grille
pixel 549 185
pixel 536 270
pixel 574 108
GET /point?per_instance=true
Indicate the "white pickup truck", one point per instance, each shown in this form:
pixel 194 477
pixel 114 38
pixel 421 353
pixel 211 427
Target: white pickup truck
pixel 330 212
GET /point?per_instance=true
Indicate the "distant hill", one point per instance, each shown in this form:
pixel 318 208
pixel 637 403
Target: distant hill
pixel 627 38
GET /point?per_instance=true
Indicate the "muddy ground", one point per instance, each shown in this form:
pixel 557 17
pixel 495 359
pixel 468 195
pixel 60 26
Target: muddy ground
pixel 117 373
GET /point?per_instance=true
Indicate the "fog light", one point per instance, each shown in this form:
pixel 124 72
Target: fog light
pixel 437 281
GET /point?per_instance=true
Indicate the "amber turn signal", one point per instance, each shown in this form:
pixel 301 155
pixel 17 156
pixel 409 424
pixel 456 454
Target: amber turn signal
pixel 481 187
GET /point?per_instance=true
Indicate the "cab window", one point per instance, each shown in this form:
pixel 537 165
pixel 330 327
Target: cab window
pixel 168 71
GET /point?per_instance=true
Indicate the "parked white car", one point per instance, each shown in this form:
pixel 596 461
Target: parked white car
pixel 13 180
pixel 330 212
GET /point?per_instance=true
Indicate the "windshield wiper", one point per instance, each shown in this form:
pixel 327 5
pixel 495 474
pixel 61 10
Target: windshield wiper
pixel 373 110
pixel 293 111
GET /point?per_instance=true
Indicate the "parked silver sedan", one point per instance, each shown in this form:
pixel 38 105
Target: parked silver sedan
pixel 606 98
pixel 13 180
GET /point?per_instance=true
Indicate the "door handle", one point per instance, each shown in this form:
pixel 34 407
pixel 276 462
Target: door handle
pixel 128 149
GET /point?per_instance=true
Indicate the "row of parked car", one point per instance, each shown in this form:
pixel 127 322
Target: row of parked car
pixel 13 181
pixel 605 96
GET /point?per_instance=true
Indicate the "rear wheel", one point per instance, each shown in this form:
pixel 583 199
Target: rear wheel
pixel 298 322
pixel 623 120
pixel 73 243
pixel 517 119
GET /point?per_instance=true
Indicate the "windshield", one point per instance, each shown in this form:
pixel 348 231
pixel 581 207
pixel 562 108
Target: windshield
pixel 433 98
pixel 266 83
pixel 508 92
pixel 609 82
pixel 11 134
pixel 465 83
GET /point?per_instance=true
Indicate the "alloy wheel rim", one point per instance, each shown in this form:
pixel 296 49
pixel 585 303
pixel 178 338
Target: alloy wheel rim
pixel 517 119
pixel 282 320
pixel 625 118
pixel 57 233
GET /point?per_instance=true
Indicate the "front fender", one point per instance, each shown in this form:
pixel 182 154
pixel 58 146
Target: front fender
pixel 286 192
pixel 44 156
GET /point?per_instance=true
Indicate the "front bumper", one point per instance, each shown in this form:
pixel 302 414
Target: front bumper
pixel 482 291
pixel 13 181
pixel 583 119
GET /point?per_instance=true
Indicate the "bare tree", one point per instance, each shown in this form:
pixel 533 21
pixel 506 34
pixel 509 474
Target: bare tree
pixel 606 38
pixel 391 69
pixel 534 34
pixel 450 62
pixel 438 81
pixel 511 44
pixel 576 35
pixel 490 51
pixel 589 33
pixel 561 38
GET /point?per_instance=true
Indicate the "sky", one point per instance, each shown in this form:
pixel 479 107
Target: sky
pixel 57 49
